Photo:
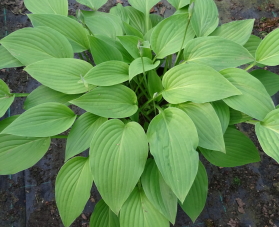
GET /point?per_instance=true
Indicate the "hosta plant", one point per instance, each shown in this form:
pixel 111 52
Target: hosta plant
pixel 156 94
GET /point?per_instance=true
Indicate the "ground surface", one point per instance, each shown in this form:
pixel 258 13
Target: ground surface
pixel 27 198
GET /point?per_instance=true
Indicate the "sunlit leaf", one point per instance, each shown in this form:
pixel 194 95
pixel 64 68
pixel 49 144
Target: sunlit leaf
pixel 143 5
pixel 7 60
pixel 47 6
pixel 93 4
pixel 179 3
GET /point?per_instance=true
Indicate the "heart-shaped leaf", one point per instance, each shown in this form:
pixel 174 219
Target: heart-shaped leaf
pixel 118 153
pixel 48 119
pixel 173 138
pixel 72 188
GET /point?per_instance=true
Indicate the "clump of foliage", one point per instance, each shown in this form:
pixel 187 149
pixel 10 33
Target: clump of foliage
pixel 157 94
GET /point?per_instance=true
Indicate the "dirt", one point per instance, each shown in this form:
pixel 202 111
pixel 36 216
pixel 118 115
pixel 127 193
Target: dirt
pixel 245 196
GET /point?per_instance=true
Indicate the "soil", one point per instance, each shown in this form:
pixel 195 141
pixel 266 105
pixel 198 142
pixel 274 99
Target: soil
pixel 245 196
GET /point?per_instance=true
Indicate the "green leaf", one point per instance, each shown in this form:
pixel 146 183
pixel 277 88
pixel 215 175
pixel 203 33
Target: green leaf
pixel 118 153
pixel 210 51
pixel 47 119
pixel 71 29
pixel 154 84
pixel 116 101
pixel 237 31
pixel 196 198
pixel 81 134
pixel 93 4
pixel 6 98
pixel 268 79
pixel 47 6
pixel 104 24
pixel 167 37
pixel 143 5
pixel 268 134
pixel 141 65
pixel 158 192
pixel 205 17
pixel 129 30
pixel 20 153
pixel 108 73
pixel 72 188
pixel 185 82
pixel 136 18
pixel 207 123
pixel 131 43
pixel 268 50
pixel 240 150
pixel 63 75
pixel 252 44
pixel 43 94
pixel 7 60
pixel 138 212
pixel 223 112
pixel 30 45
pixel 178 4
pixel 6 122
pixel 237 117
pixel 103 216
pixel 120 11
pixel 254 100
pixel 155 19
pixel 173 139
pixel 103 52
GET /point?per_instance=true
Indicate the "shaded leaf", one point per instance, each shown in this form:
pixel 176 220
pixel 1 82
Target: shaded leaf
pixel 7 121
pixel 118 153
pixel 6 98
pixel 223 112
pixel 237 117
pixel 252 44
pixel 7 60
pixel 136 19
pixel 130 30
pixel 178 4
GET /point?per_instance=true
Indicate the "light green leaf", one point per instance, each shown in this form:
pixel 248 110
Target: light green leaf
pixel 47 119
pixel 108 73
pixel 185 82
pixel 47 6
pixel 43 94
pixel 178 4
pixel 143 5
pixel 252 44
pixel 210 51
pixel 207 123
pixel 20 153
pixel 269 80
pixel 63 75
pixel 81 134
pixel 6 98
pixel 240 150
pixel 223 112
pixel 268 134
pixel 104 24
pixel 196 198
pixel 131 43
pixel 237 117
pixel 129 30
pixel 237 31
pixel 141 65
pixel 268 50
pixel 6 122
pixel 120 11
pixel 116 101
pixel 254 100
pixel 173 138
pixel 167 36
pixel 30 45
pixel 138 212
pixel 93 4
pixel 137 19
pixel 154 84
pixel 103 216
pixel 72 188
pixel 7 60
pixel 118 153
pixel 103 52
pixel 71 29
pixel 158 192
pixel 205 17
